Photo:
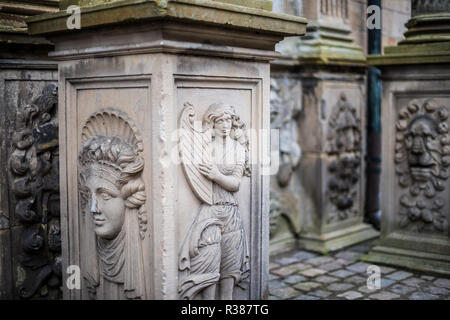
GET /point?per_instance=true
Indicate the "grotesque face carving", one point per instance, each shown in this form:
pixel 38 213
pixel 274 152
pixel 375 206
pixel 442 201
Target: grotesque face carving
pixel 421 141
pixel 422 152
pixel 106 206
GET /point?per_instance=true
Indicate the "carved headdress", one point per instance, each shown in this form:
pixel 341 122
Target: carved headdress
pixel 112 150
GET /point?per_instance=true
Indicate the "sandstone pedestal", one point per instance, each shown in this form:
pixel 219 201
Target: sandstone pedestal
pixel 415 145
pixel 154 206
pixel 29 205
pixel 331 127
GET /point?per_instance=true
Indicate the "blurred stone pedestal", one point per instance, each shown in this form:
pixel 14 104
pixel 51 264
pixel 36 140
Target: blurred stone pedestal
pixel 416 144
pixel 140 224
pixel 331 127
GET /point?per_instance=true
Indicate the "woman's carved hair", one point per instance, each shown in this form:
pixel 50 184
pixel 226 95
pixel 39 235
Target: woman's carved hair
pixel 238 130
pixel 125 163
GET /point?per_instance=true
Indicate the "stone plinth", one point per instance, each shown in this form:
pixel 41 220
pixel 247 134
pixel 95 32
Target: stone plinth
pixel 331 127
pixel 29 206
pixel 164 107
pixel 415 147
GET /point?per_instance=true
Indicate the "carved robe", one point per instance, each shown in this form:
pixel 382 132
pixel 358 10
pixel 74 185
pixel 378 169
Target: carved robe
pixel 215 246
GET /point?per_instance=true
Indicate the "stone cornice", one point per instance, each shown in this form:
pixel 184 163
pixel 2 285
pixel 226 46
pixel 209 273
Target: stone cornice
pixel 194 11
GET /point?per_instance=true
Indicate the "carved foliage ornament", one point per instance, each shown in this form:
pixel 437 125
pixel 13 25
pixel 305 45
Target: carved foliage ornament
pixel 113 198
pixel 344 146
pixel 34 165
pixel 214 157
pixel 422 158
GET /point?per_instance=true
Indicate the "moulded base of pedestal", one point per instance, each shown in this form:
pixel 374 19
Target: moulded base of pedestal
pixel 412 259
pixel 284 243
pixel 337 240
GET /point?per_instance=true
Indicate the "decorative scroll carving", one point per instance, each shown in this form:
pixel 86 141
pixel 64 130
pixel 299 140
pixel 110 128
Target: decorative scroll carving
pixel 34 171
pixel 114 217
pixel 214 252
pixel 422 158
pixel 344 145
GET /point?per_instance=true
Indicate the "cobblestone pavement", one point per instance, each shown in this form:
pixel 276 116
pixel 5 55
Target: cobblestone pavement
pixel 303 275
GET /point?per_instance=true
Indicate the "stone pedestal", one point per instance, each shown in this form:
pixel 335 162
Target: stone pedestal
pixel 154 206
pixel 29 195
pixel 331 127
pixel 415 144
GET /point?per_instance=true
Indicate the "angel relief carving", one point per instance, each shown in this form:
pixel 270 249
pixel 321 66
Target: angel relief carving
pixel 113 199
pixel 214 254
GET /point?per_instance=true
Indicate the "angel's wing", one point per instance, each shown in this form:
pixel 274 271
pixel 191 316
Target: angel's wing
pixel 194 147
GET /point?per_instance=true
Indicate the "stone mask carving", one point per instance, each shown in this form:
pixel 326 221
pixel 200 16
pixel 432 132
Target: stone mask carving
pixel 113 201
pixel 214 158
pixel 422 157
pixel 422 153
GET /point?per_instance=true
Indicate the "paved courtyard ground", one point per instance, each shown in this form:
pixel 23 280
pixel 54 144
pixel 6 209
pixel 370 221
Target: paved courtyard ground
pixel 303 275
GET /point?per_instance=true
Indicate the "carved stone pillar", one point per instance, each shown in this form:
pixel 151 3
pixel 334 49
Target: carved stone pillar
pixel 331 127
pixel 29 198
pixel 164 107
pixel 416 144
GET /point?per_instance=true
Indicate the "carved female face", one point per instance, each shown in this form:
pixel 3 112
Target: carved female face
pixel 106 206
pixel 222 125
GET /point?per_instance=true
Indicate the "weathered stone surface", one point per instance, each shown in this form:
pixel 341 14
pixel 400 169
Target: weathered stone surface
pixel 29 210
pixel 293 279
pixel 341 273
pixel 356 279
pixel 306 297
pixel 416 209
pixel 436 290
pixel 320 293
pixel 358 267
pixel 211 12
pixel 285 293
pixel 307 286
pixel 401 289
pixel 290 269
pixel 326 279
pixel 343 284
pixel 350 295
pixel 339 286
pixel 312 272
pixel 399 275
pixel 443 283
pixel 384 295
pixel 141 217
pixel 423 296
pixel 413 282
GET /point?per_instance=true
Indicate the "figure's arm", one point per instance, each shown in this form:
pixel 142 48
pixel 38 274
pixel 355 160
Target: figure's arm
pixel 230 183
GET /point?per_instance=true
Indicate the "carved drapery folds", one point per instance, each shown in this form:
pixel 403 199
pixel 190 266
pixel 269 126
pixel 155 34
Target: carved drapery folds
pixel 34 171
pixel 114 217
pixel 344 149
pixel 422 158
pixel 214 156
